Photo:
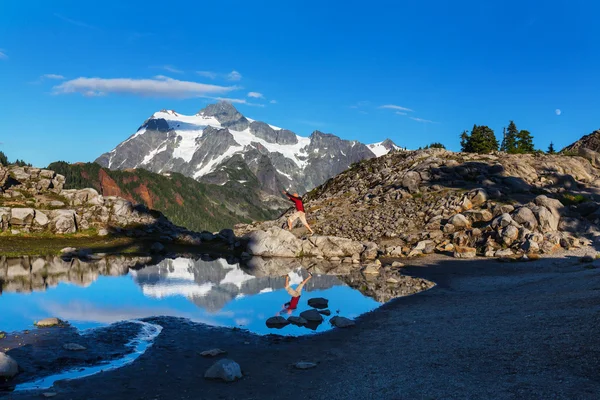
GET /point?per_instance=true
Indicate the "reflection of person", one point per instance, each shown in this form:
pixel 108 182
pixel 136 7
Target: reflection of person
pixel 299 214
pixel 295 293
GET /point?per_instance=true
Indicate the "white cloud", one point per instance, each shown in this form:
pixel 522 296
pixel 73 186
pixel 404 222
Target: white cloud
pixel 172 69
pixel 207 74
pixel 400 113
pixel 395 107
pixel 425 121
pixel 75 22
pixel 53 76
pixel 234 76
pixel 3 55
pixel 256 95
pixel 557 111
pixel 273 102
pixel 159 86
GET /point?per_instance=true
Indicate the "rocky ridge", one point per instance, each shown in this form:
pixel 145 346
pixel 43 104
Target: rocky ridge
pixel 420 202
pixel 589 142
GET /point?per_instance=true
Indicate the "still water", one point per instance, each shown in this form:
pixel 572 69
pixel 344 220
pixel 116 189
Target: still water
pixel 214 292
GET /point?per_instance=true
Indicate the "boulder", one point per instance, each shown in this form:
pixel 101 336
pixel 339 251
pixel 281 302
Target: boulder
pixel 8 367
pixel 479 215
pixel 553 205
pixel 530 246
pixel 325 312
pixel 525 217
pixel 459 221
pixel 502 253
pixel 318 302
pixel 47 174
pixel 48 322
pixel 370 252
pixel 548 221
pixel 63 221
pixel 274 242
pixel 332 246
pixel 371 269
pixel 21 216
pixel 477 197
pixel 41 219
pixel 312 316
pixel 225 370
pixel 277 322
pixel 341 322
pixel 43 185
pixel 465 252
pixel 510 234
pixel 411 181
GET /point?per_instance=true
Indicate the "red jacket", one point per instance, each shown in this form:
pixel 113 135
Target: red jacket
pixel 297 201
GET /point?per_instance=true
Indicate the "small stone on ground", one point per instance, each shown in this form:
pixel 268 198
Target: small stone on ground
pixel 212 353
pixel 304 365
pixel 226 370
pixel 73 347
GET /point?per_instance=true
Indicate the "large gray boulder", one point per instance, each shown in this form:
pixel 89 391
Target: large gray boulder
pixel 411 181
pixel 274 242
pixel 459 221
pixel 41 219
pixel 8 367
pixel 331 246
pixel 547 220
pixel 525 217
pixel 63 221
pixel 21 216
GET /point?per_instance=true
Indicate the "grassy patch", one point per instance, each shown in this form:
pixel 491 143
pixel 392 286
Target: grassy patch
pixel 569 199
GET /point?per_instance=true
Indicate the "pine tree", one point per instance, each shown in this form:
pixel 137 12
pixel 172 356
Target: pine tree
pixel 525 142
pixel 510 138
pixel 465 142
pixel 551 149
pixel 481 140
pixel 3 159
pixel 435 145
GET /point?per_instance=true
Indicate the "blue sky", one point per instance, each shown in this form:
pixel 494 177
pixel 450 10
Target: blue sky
pixel 77 78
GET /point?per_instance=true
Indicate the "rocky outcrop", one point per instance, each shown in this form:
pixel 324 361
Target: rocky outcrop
pixel 414 203
pixel 277 242
pixel 34 200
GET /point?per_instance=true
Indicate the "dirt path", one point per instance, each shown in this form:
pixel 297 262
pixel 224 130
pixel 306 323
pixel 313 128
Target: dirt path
pixel 488 330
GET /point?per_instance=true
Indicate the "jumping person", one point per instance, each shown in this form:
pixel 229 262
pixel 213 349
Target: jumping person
pixel 295 293
pixel 299 214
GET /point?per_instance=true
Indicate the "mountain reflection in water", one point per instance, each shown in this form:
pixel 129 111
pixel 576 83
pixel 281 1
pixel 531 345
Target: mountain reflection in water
pixel 89 293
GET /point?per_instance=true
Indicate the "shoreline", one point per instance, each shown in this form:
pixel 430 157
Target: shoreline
pixel 462 338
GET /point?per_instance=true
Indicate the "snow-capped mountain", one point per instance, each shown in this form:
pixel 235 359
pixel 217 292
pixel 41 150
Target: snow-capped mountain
pixel 220 145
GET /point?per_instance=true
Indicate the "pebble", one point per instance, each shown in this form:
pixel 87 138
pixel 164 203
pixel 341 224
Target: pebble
pixel 304 365
pixel 212 353
pixel 73 347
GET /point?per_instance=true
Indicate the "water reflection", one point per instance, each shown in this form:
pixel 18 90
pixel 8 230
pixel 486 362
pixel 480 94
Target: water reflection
pixel 220 292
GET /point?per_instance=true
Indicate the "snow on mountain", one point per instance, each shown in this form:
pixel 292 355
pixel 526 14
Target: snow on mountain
pixel 205 146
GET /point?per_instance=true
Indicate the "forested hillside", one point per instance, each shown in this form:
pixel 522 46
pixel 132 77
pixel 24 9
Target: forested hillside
pixel 187 202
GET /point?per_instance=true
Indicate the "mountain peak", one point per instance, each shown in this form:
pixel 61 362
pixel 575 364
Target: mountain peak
pixel 227 115
pixel 220 108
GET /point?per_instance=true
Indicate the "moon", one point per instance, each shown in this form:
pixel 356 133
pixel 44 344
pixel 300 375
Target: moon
pixel 557 111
